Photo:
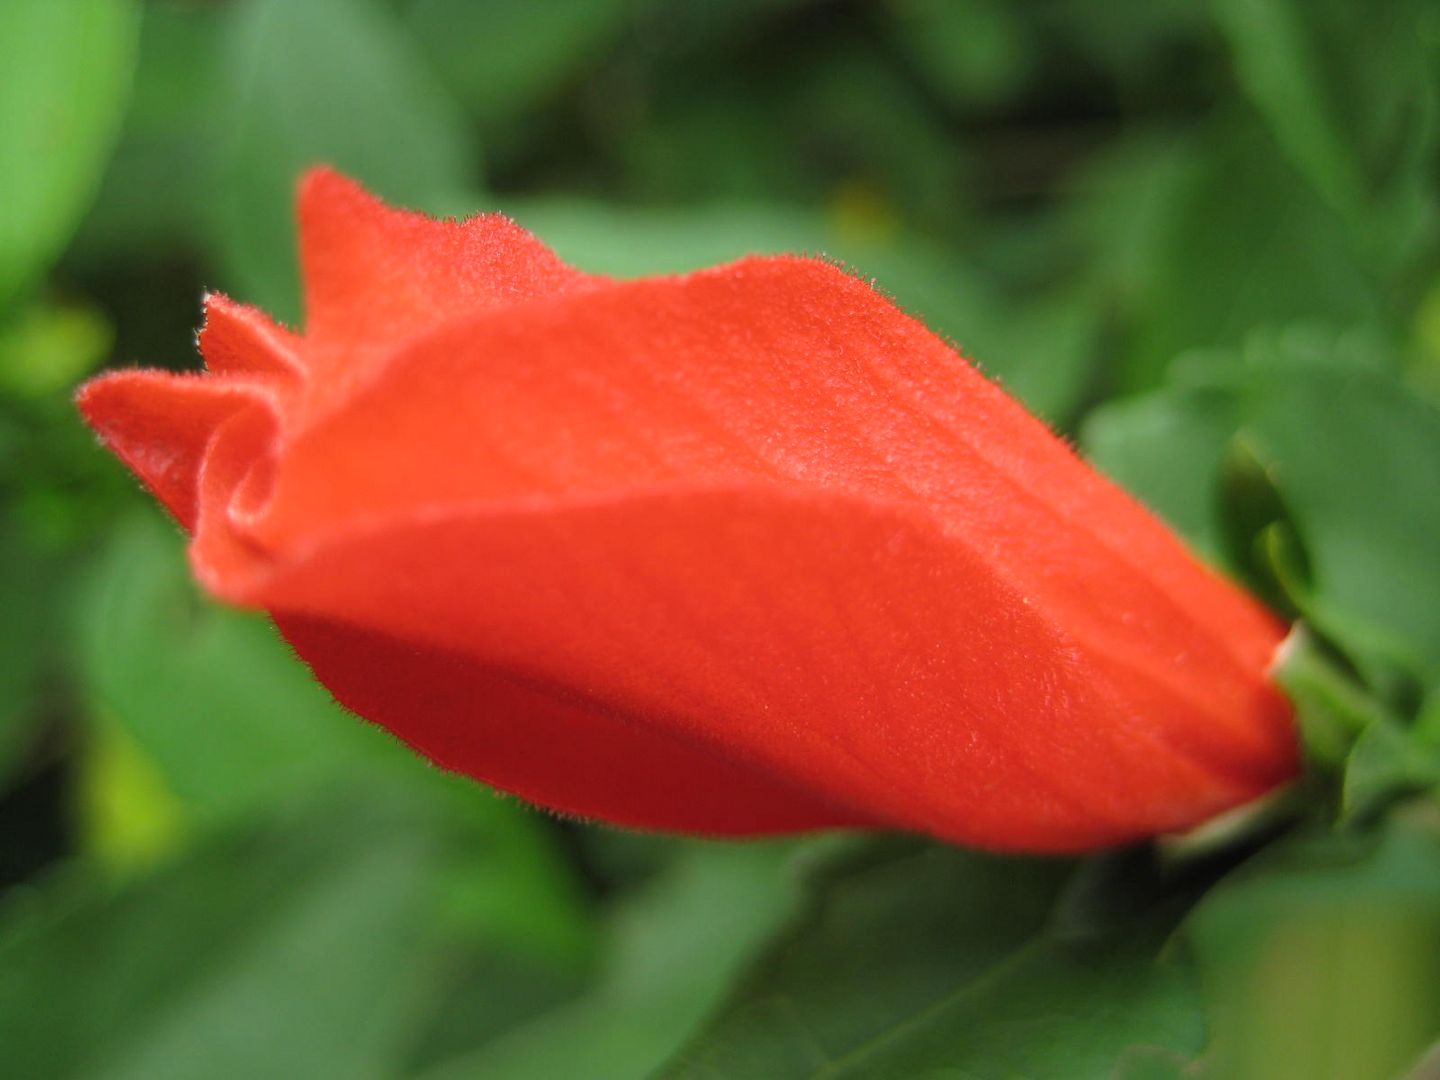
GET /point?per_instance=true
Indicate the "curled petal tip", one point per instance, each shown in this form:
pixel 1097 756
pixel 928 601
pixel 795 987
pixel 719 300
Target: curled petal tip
pixel 160 424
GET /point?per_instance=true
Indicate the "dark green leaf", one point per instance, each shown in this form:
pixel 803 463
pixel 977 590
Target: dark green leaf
pixel 501 58
pixel 1245 243
pixel 1166 449
pixel 1259 533
pixel 1331 709
pixel 971 51
pixel 1352 94
pixel 232 721
pixel 27 576
pixel 215 697
pixel 1385 764
pixel 1357 459
pixel 304 949
pixel 939 963
pixel 673 950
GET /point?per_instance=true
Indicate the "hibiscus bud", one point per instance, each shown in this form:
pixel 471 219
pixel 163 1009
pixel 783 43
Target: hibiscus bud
pixel 742 551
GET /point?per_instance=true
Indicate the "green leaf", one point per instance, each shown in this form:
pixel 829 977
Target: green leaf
pixel 1352 94
pixel 1166 449
pixel 809 124
pixel 529 49
pixel 673 950
pixel 1348 732
pixel 1122 202
pixel 213 696
pixel 302 949
pixel 1243 242
pixel 323 82
pixel 1357 458
pixel 1131 41
pixel 1427 719
pixel 1384 764
pixel 62 95
pixel 229 721
pixel 1332 711
pixel 972 52
pixel 1320 955
pixel 28 574
pixel 153 201
pixel 940 963
pixel 126 812
pixel 1259 532
pixel 49 348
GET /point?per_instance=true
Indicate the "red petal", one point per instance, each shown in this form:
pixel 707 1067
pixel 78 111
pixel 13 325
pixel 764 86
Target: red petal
pixel 790 374
pixel 161 426
pixel 742 551
pixel 736 662
pixel 374 274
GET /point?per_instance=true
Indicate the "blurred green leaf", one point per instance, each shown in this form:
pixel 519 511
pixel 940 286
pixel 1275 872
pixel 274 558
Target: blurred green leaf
pixel 333 82
pixel 940 963
pixel 1322 956
pixel 57 487
pixel 230 721
pixel 214 696
pixel 48 349
pixel 1119 204
pixel 126 811
pixel 28 578
pixel 62 94
pixel 800 123
pixel 1166 448
pixel 1352 93
pixel 859 110
pixel 703 26
pixel 301 949
pixel 1377 758
pixel 626 242
pixel 1357 457
pixel 1384 764
pixel 501 58
pixel 1139 45
pixel 1244 242
pixel 971 51
pixel 673 950
pixel 1331 710
pixel 1261 544
pixel 154 197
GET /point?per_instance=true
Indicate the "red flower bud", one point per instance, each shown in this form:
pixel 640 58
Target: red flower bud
pixel 741 551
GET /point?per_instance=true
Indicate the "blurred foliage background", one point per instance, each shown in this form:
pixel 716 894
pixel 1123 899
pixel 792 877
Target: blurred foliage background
pixel 1200 238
